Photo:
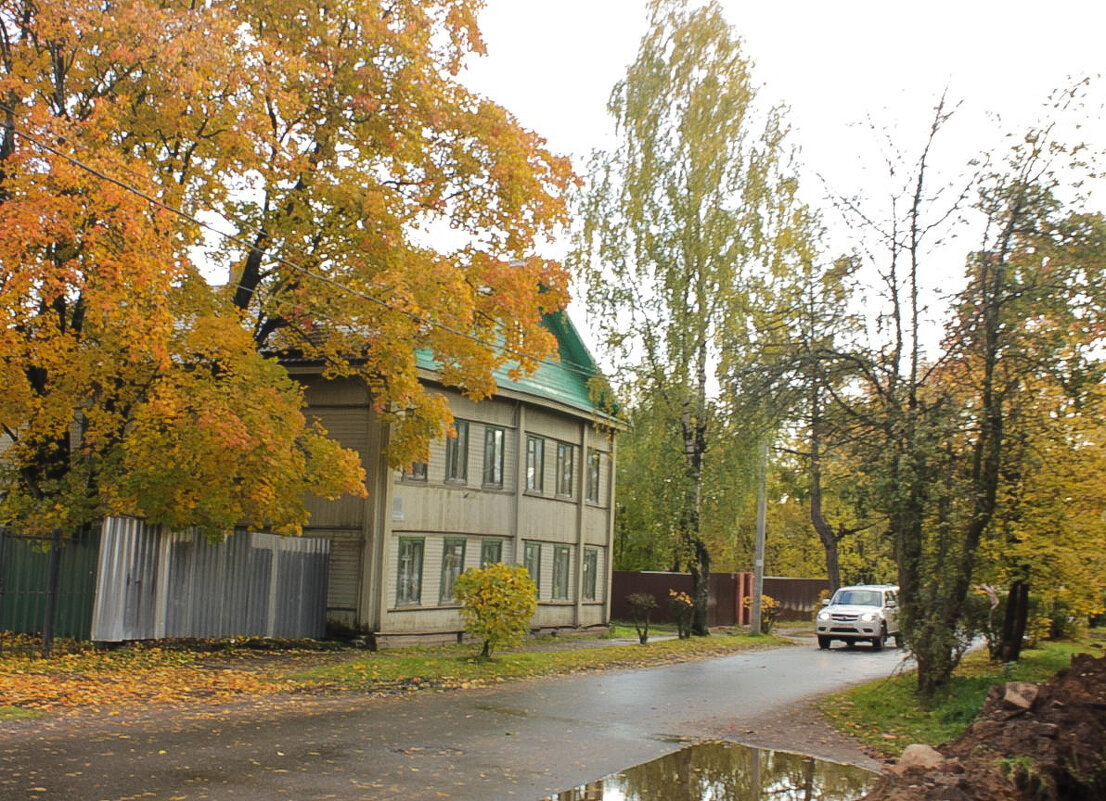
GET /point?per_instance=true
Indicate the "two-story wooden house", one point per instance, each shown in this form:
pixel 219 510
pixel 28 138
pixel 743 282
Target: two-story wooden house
pixel 529 479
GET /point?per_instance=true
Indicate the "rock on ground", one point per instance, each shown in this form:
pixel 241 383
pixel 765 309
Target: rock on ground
pixel 1032 742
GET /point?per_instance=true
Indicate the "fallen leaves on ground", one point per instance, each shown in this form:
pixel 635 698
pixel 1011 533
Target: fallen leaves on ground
pixel 105 681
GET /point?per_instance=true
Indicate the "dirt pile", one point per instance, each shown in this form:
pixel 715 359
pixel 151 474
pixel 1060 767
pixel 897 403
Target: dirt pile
pixel 1032 742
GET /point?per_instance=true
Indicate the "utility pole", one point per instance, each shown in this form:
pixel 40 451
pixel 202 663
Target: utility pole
pixel 758 566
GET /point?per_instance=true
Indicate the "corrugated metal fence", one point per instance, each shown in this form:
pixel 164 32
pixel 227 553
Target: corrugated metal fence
pixel 27 595
pixel 154 585
pixel 132 581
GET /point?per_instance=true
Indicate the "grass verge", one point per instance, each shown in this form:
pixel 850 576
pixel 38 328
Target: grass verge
pixel 18 713
pixel 888 716
pixel 460 666
pixel 179 674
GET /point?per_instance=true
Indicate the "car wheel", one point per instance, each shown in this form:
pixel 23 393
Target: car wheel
pixel 877 642
pixel 824 642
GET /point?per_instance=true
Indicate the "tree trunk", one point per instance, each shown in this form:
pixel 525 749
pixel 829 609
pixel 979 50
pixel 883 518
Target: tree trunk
pixel 825 533
pixel 700 577
pixel 817 518
pixel 1014 622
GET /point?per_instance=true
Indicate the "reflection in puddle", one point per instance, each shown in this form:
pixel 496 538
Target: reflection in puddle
pixel 723 771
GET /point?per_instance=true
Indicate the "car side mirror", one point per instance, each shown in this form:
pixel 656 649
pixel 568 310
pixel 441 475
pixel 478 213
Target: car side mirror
pixel 891 604
pixel 825 602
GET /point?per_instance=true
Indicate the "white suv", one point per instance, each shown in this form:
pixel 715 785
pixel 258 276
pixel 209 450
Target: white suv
pixel 861 613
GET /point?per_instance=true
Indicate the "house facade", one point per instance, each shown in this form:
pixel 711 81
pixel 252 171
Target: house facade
pixel 528 479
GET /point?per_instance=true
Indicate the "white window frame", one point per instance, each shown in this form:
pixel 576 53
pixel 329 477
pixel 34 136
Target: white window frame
pixel 495 445
pixel 562 567
pixel 590 589
pixel 457 453
pixel 453 565
pixel 531 559
pixel 566 457
pixel 535 463
pixel 594 468
pixel 409 568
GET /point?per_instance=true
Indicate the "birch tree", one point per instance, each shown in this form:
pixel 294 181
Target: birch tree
pixel 676 218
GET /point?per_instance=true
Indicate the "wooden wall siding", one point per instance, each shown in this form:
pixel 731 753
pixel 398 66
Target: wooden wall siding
pixel 559 616
pixel 435 468
pixel 593 614
pixel 451 509
pixel 433 548
pixel 545 586
pixel 433 616
pixel 548 519
pixel 553 426
pixel 596 525
pixel 362 594
pixel 354 428
pixel 345 577
pixel 493 410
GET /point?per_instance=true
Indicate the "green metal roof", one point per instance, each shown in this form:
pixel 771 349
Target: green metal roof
pixel 564 380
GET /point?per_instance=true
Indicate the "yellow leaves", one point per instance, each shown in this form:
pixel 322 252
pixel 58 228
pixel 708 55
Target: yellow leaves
pixel 116 680
pixel 338 132
pixel 498 602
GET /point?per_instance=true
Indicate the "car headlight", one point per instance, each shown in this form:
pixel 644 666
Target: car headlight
pixel 823 616
pixel 868 617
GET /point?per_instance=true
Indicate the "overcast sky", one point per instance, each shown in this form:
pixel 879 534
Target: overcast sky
pixel 836 65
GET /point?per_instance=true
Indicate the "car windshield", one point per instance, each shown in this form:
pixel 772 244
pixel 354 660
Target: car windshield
pixel 858 597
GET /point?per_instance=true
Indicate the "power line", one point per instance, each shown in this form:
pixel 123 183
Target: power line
pixel 37 142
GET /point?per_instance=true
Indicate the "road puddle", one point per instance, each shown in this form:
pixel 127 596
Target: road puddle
pixel 724 771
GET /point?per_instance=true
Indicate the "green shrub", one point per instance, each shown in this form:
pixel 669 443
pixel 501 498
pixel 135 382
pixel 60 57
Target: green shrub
pixel 497 603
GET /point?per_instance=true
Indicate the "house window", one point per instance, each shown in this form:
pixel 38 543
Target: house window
pixel 564 469
pixel 532 560
pixel 409 577
pixel 591 571
pixel 560 572
pixel 416 471
pixel 493 456
pixel 457 453
pixel 535 464
pixel 453 562
pixel 491 552
pixel 593 476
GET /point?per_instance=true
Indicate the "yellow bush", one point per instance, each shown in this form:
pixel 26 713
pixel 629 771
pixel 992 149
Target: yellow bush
pixel 769 608
pixel 497 603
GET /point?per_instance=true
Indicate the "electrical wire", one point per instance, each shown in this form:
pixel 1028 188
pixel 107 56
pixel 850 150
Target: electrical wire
pixel 237 240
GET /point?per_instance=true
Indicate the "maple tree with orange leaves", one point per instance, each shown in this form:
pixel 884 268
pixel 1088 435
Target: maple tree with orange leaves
pixel 330 140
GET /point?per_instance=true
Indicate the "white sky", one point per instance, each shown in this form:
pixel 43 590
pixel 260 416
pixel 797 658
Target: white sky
pixel 835 63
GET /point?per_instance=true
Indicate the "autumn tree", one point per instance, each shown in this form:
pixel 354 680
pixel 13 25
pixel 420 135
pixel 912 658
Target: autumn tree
pixel 946 433
pixel 324 140
pixel 1026 356
pixel 674 218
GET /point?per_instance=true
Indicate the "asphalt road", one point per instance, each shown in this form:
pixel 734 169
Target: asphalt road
pixel 522 740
